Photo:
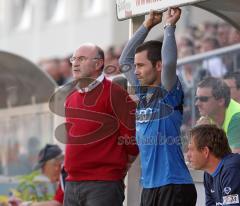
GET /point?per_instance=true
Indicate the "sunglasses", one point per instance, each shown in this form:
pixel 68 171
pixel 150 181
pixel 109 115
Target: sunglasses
pixel 202 98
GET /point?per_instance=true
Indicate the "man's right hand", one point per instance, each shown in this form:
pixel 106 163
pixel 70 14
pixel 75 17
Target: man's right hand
pixel 172 16
pixel 154 18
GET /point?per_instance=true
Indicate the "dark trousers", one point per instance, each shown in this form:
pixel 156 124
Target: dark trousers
pixel 170 195
pixel 94 193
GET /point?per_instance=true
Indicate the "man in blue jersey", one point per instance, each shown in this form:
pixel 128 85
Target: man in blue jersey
pixel 209 150
pixel 165 177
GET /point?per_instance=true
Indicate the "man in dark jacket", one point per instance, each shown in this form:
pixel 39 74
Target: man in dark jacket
pixel 209 150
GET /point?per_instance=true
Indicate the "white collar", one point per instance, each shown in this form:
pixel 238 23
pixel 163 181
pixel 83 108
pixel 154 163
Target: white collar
pixel 91 86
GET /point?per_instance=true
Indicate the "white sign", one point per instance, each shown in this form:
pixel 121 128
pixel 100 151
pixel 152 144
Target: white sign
pixel 230 199
pixel 130 8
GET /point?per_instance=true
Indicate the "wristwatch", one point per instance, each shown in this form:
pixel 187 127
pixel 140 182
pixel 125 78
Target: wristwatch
pixel 168 24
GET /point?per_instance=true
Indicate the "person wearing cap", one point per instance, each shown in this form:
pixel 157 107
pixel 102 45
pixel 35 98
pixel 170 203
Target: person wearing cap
pixel 50 160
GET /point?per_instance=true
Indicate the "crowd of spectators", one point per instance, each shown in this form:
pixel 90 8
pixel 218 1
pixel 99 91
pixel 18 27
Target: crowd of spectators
pixel 207 37
pixel 201 39
pixel 196 39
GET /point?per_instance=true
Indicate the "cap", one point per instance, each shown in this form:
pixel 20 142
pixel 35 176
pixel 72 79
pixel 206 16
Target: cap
pixel 50 151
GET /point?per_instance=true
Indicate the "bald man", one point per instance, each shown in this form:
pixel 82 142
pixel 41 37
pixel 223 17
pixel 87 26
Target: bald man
pixel 99 139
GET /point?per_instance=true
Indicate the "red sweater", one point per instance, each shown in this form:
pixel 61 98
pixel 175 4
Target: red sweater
pixel 100 129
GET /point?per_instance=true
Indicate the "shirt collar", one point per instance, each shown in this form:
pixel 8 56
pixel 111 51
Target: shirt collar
pixel 220 164
pixel 91 86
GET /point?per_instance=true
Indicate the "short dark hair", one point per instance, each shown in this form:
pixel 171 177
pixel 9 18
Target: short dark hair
pixel 219 88
pixel 212 137
pixel 234 75
pixel 100 55
pixel 153 49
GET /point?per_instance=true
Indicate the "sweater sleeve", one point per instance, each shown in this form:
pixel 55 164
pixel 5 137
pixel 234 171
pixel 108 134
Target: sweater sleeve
pixel 126 60
pixel 169 59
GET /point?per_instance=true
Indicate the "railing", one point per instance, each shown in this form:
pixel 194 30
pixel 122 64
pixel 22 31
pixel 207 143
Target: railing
pixel 218 52
pixel 24 130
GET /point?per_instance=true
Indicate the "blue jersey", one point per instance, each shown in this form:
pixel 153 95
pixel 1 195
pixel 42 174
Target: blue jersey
pixel 158 122
pixel 223 186
pixel 158 116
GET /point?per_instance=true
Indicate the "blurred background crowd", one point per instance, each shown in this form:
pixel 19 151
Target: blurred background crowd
pixel 195 39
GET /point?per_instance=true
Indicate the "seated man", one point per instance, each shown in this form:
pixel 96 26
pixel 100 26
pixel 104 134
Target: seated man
pixel 50 160
pixel 209 150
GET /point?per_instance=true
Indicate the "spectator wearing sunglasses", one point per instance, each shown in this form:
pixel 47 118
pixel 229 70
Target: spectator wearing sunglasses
pixel 216 107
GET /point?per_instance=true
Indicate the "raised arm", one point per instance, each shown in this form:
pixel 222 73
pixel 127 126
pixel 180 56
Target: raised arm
pixel 169 49
pixel 127 56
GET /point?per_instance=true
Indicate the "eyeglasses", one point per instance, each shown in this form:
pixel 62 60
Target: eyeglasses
pixel 202 98
pixel 82 59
